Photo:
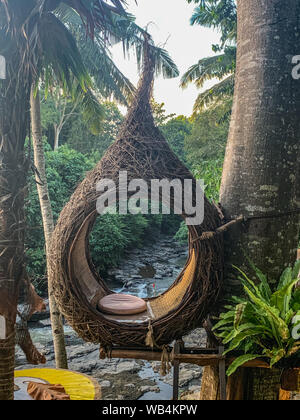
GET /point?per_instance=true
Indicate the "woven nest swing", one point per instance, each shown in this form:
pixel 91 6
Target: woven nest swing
pixel 142 151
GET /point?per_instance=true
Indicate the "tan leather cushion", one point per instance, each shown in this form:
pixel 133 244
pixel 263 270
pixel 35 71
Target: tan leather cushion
pixel 118 304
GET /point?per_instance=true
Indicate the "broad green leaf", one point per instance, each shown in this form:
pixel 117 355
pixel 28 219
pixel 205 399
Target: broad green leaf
pixel 221 323
pixel 273 315
pixel 239 312
pixel 294 349
pixel 285 278
pixel 238 300
pixel 223 334
pixel 296 270
pixel 240 361
pixel 289 316
pixel 277 354
pixel 226 315
pixel 256 327
pixel 264 286
pixel 248 346
pixel 230 336
pixel 281 299
pixel 295 303
pixel 230 307
pixel 243 335
pixel 246 278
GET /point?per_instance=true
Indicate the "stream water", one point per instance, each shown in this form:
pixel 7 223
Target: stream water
pixel 150 270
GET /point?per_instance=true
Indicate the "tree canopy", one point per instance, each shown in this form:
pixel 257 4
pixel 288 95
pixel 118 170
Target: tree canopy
pixel 220 15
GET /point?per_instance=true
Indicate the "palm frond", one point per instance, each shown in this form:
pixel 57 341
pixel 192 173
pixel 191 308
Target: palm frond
pixel 217 14
pixel 62 64
pixel 107 78
pixel 93 111
pixel 133 37
pixel 97 14
pixel 124 30
pixel 218 92
pixel 209 68
pixel 60 53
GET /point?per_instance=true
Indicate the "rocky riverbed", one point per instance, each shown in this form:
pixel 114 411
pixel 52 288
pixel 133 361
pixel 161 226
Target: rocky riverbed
pixel 148 271
pixel 144 272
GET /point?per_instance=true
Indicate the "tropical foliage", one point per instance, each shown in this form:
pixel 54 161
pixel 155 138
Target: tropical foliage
pixel 176 132
pixel 211 172
pixel 263 323
pixel 75 131
pixel 208 136
pixel 159 113
pixel 220 15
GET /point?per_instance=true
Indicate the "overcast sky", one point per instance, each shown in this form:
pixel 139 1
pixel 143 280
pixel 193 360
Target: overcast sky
pixel 185 43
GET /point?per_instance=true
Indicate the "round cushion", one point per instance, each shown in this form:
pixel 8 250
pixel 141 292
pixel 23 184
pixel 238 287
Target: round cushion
pixel 118 304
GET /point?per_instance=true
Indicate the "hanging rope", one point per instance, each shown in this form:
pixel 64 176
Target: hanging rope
pixel 166 364
pixel 150 340
pixel 242 219
pixel 166 357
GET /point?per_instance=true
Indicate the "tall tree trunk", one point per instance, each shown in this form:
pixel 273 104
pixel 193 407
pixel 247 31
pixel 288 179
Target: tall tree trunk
pixel 48 224
pixel 56 136
pixel 261 170
pixel 14 117
pixel 7 362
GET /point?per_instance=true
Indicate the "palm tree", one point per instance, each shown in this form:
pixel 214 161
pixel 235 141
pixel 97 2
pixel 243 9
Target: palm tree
pixel 221 15
pixel 48 224
pixel 35 43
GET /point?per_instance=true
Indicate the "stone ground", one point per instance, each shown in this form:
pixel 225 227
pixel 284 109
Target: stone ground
pixel 120 379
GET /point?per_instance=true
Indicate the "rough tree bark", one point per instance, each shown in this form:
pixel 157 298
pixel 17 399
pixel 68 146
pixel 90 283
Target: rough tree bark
pixel 261 170
pixel 14 117
pixel 48 224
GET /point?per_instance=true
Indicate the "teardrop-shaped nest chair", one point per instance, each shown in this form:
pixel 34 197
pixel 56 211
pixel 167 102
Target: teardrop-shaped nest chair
pixel 142 151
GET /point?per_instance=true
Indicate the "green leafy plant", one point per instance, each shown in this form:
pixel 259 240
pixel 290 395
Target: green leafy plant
pixel 262 323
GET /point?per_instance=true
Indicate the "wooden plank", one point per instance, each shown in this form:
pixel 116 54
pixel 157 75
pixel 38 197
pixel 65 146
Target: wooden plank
pixel 196 359
pixel 199 359
pixel 136 354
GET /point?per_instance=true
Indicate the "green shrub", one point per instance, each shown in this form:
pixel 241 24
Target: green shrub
pixel 211 172
pixel 261 324
pixel 108 241
pixel 65 168
pixel 182 234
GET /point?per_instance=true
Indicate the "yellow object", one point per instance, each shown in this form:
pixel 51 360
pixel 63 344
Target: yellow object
pixel 77 385
pixel 171 299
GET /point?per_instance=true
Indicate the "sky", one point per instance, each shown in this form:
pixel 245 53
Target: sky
pixel 168 23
